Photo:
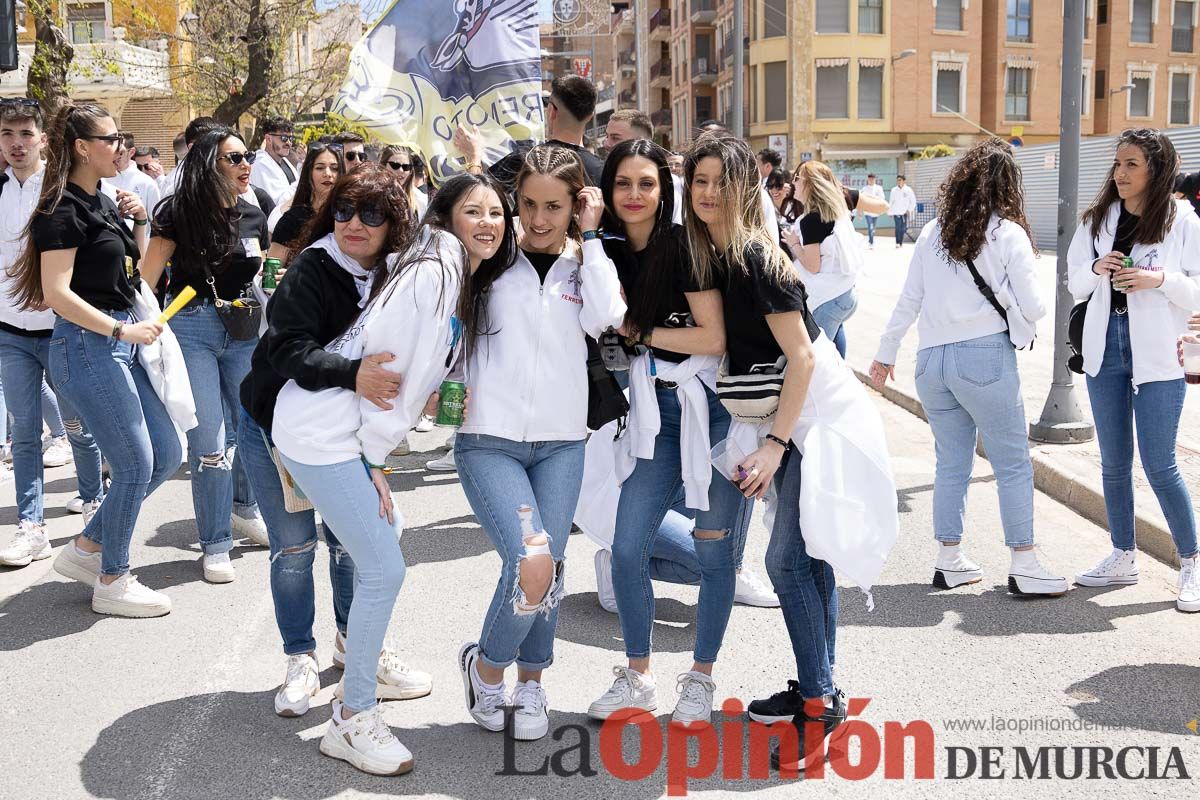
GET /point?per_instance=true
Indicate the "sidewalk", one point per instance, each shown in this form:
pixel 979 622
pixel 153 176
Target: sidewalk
pixel 1069 473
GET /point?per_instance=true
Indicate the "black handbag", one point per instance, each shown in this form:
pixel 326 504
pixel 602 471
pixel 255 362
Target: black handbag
pixel 606 401
pixel 241 316
pixel 1075 329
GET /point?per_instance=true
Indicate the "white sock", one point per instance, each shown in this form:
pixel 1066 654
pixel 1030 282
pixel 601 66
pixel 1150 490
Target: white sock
pixel 493 686
pixel 1024 557
pixel 81 551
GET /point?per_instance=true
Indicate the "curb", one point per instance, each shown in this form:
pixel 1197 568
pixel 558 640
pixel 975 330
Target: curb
pixel 1083 496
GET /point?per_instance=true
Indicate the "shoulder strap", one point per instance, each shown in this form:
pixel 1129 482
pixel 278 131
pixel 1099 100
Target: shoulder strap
pixel 987 292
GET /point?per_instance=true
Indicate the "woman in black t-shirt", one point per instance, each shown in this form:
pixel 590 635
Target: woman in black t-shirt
pixel 215 241
pixel 81 261
pixel 322 166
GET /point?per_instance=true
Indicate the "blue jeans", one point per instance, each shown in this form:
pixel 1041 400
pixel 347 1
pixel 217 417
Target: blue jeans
pixel 974 386
pixel 646 497
pixel 103 379
pixel 216 366
pixel 830 315
pixel 51 414
pixel 499 476
pixel 901 223
pixel 805 586
pixel 293 538
pixel 871 221
pixel 24 362
pixel 1155 407
pixel 348 503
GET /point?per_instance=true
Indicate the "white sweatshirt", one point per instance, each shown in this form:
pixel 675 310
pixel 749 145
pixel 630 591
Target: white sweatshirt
pixel 528 376
pixel 17 203
pixel 413 320
pixel 944 295
pixel 1157 317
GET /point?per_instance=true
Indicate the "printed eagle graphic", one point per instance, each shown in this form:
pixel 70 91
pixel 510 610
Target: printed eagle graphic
pixel 476 17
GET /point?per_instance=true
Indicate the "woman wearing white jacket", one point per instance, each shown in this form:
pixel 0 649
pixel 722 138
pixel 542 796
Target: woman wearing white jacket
pixel 520 453
pixel 967 375
pixel 1134 317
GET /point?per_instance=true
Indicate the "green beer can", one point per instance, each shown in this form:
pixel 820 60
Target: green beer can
pixel 453 397
pixel 271 267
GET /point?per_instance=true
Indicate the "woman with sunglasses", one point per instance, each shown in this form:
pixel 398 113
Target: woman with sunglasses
pixel 399 159
pixel 520 453
pixel 322 167
pixel 214 240
pixel 334 443
pixel 81 261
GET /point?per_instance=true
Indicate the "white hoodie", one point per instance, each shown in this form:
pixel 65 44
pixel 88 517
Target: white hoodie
pixel 414 320
pixel 528 376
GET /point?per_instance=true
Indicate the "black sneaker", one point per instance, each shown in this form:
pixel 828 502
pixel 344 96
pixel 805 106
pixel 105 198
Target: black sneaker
pixel 833 716
pixel 779 707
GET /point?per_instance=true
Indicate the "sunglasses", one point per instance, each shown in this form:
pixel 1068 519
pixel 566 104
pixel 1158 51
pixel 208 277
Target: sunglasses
pixel 354 155
pixel 19 102
pixel 283 137
pixel 400 166
pixel 371 216
pixel 237 158
pixel 322 146
pixel 113 138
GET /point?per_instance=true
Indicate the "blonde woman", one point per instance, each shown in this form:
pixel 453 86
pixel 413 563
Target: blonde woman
pixel 401 161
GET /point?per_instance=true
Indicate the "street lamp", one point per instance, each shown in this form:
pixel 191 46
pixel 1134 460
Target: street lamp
pixel 1129 87
pixel 903 54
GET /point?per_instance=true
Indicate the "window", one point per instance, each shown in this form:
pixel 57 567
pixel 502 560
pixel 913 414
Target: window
pixel 870 92
pixel 870 16
pixel 704 108
pixel 86 22
pixel 949 15
pixel 1143 21
pixel 1019 20
pixel 833 16
pixel 833 92
pixel 948 97
pixel 1016 93
pixel 775 85
pixel 1101 84
pixel 1101 12
pixel 775 14
pixel 1181 28
pixel 1139 98
pixel 1181 99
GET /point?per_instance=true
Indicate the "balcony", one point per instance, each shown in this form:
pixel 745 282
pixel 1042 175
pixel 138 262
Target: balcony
pixel 622 23
pixel 660 73
pixel 703 11
pixel 627 99
pixel 1181 40
pixel 661 119
pixel 660 25
pixel 626 64
pixel 704 70
pixel 112 69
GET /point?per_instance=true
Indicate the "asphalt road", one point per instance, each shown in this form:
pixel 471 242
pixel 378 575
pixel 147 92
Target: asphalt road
pixel 181 707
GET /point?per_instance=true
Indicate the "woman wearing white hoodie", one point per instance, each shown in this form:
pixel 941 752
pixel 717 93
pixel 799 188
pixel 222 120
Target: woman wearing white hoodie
pixel 1134 317
pixel 333 442
pixel 520 453
pixel 967 375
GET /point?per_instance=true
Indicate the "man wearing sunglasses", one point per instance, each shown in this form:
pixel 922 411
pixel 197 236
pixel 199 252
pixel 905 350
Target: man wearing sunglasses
pixel 131 179
pixel 354 149
pixel 273 172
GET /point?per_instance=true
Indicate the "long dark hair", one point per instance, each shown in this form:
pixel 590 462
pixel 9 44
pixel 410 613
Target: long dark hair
pixel 985 181
pixel 71 123
pixel 790 209
pixel 304 190
pixel 1158 210
pixel 558 162
pixel 200 205
pixel 664 248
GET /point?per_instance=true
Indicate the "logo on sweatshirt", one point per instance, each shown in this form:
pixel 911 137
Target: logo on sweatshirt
pixel 574 282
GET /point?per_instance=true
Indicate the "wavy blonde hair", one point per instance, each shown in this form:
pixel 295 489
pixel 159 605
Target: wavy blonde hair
pixel 825 196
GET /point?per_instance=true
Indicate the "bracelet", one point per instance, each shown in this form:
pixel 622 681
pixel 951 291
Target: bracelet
pixel 116 331
pixel 470 165
pixel 782 443
pixel 140 222
pixel 589 235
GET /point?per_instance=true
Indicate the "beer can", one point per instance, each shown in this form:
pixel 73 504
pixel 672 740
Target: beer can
pixel 271 267
pixel 453 397
pixel 1128 262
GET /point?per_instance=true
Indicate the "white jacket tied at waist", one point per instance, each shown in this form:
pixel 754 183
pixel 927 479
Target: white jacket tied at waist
pixel 164 365
pixel 847 492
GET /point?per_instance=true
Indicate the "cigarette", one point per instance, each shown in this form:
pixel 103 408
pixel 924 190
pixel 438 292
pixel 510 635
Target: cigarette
pixel 182 299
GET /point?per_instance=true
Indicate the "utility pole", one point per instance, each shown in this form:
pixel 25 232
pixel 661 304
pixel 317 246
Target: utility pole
pixel 739 68
pixel 1062 419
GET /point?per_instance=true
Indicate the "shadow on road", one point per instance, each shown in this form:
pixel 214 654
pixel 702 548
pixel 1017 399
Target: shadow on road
pixel 581 620
pixel 444 540
pixel 1162 698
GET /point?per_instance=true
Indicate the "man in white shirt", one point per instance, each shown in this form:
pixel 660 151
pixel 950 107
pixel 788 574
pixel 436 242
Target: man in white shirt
pixel 872 189
pixel 901 203
pixel 131 179
pixel 273 172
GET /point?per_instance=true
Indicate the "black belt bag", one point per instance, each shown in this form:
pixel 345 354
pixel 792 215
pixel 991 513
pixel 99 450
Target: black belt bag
pixel 241 316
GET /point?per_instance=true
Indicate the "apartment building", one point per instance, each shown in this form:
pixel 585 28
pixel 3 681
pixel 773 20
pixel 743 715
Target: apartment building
pixel 694 67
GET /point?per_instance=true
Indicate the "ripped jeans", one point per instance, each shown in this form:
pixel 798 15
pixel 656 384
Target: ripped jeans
pixel 499 476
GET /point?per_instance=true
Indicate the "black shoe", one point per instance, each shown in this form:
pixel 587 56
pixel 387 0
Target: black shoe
pixel 779 707
pixel 833 716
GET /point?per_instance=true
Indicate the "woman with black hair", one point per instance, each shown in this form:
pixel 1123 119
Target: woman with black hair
pixel 214 240
pixel 322 167
pixel 1134 317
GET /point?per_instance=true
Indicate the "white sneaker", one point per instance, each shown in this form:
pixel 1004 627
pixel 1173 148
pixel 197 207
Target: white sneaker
pixel 424 424
pixel 58 454
pixel 125 597
pixel 751 591
pixel 366 742
pixel 531 715
pixel 394 680
pixel 1189 585
pixel 695 698
pixel 604 584
pixel 89 510
pixel 75 505
pixel 299 686
pixel 6 454
pixel 443 464
pixel 77 565
pixel 30 543
pixel 218 568
pixel 249 525
pixel 953 568
pixel 401 449
pixel 1119 568
pixel 630 690
pixel 339 651
pixel 485 703
pixel 1027 576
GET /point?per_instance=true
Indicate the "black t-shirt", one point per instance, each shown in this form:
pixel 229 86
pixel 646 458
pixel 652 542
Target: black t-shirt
pixel 813 230
pixel 747 297
pixel 1190 187
pixel 1123 243
pixel 505 170
pixel 852 199
pixel 542 262
pixel 289 225
pixel 105 273
pixel 232 271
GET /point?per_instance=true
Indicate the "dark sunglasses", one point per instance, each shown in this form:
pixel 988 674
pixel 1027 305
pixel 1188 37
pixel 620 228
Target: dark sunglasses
pixel 113 138
pixel 354 155
pixel 400 166
pixel 19 102
pixel 322 146
pixel 237 158
pixel 371 216
pixel 283 137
